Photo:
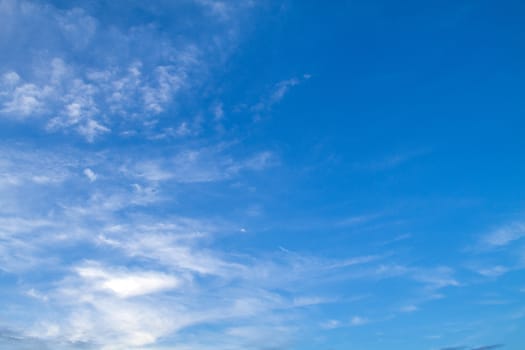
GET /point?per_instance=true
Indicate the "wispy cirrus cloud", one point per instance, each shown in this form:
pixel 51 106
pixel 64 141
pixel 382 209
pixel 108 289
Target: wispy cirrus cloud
pixel 432 278
pixel 277 93
pixel 207 164
pixel 131 279
pixel 98 296
pixel 493 271
pixel 391 161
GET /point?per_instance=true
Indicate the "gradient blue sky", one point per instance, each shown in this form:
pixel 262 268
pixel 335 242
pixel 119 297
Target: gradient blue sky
pixel 204 174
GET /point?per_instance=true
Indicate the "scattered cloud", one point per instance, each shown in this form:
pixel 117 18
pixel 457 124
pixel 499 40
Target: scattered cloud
pixel 37 295
pixel 200 165
pixel 488 347
pixel 92 79
pixel 183 280
pixel 493 271
pixel 391 161
pixel 409 308
pixel 358 321
pixel 505 235
pixel 218 111
pixel 331 324
pixel 432 278
pixel 277 93
pixel 90 174
pixel 396 239
pixel 357 220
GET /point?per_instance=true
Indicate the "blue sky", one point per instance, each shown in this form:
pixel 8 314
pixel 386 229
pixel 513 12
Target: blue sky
pixel 204 174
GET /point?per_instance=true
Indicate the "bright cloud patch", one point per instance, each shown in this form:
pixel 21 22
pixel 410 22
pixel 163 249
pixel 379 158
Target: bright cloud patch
pixel 126 284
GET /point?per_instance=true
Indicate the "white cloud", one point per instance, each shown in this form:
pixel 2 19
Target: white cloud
pixel 259 161
pixel 358 321
pixel 217 8
pixel 90 174
pixel 10 79
pixel 493 271
pixel 117 324
pixel 106 303
pixel 152 171
pixel 124 283
pixel 208 164
pixel 252 336
pixel 277 93
pixel 331 324
pixel 26 100
pixel 355 261
pixel 391 161
pixel 17 225
pixel 433 278
pixel 36 295
pixel 218 111
pixel 188 282
pixel 436 278
pixel 505 235
pixel 409 308
pixel 309 301
pixel 282 88
pixel 78 27
pixel 91 129
pixel 92 78
pixel 169 251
